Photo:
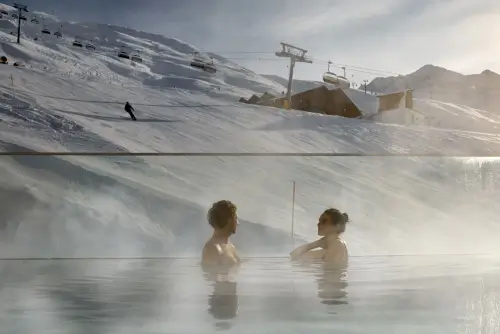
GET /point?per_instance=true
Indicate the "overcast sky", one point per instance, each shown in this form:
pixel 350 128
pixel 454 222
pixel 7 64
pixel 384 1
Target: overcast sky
pixel 392 35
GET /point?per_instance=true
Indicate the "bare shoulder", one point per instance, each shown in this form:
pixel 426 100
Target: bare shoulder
pixel 210 253
pixel 337 251
pixel 338 245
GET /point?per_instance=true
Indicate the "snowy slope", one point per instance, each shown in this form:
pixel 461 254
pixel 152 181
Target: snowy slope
pixel 166 60
pixel 69 99
pixel 459 117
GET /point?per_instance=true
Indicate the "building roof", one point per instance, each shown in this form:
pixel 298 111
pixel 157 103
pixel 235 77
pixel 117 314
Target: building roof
pixel 368 104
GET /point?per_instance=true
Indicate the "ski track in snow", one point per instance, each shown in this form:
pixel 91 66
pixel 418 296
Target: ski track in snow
pixel 70 99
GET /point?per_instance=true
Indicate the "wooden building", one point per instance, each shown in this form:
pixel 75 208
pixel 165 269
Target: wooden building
pixel 319 100
pixel 324 101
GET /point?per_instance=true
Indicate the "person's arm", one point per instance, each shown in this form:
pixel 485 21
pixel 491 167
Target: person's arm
pixel 298 252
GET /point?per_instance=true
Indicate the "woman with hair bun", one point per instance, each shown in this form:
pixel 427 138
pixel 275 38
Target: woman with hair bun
pixel 331 225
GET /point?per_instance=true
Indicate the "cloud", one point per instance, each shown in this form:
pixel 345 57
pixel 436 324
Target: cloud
pixel 324 16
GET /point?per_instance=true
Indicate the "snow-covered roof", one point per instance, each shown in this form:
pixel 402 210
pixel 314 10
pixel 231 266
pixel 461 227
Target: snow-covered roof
pixel 366 103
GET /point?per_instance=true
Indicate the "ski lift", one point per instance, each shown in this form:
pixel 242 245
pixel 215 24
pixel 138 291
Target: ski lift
pixel 77 42
pixel 200 63
pixel 123 54
pixel 334 79
pixel 210 67
pixel 45 31
pixel 35 21
pixel 14 15
pixel 136 58
pixel 197 61
pixel 4 12
pixel 24 18
pixel 90 46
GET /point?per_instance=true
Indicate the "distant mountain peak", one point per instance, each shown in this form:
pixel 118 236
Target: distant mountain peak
pixel 429 68
pixel 488 72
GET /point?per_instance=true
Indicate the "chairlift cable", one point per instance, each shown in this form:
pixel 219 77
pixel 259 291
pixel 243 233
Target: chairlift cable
pixel 317 60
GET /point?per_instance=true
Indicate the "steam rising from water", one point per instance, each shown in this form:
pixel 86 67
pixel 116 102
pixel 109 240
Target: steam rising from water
pixel 397 205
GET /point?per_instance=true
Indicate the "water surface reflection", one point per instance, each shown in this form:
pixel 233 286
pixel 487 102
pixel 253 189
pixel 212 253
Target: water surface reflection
pixel 411 295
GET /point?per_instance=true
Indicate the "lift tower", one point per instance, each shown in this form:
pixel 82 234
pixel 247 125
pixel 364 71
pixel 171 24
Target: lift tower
pixel 21 9
pixel 296 55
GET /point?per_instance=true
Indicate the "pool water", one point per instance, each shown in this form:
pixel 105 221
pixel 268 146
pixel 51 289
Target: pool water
pixel 431 294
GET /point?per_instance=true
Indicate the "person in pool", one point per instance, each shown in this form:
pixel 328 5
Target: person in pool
pixel 218 250
pixel 332 249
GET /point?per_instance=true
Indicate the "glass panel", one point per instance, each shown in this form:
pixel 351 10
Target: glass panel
pixel 113 208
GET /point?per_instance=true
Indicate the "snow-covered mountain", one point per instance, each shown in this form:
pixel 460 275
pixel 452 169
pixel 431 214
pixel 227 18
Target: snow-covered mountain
pixel 70 99
pixel 166 60
pixel 480 91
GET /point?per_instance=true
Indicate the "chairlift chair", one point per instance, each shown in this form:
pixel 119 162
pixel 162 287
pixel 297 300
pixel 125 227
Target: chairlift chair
pixel 123 54
pixel 332 78
pixel 136 58
pixel 4 12
pixel 24 18
pixel 210 67
pixel 46 31
pixel 77 43
pixel 90 46
pixel 35 21
pixel 198 62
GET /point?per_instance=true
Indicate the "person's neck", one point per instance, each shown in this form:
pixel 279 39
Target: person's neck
pixel 332 237
pixel 220 236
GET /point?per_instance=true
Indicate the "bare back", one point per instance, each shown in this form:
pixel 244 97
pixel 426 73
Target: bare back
pixel 337 253
pixel 215 254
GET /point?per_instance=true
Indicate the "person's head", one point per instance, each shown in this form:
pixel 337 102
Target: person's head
pixel 222 217
pixel 332 221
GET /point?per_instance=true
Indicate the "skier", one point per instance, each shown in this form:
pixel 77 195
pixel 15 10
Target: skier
pixel 129 109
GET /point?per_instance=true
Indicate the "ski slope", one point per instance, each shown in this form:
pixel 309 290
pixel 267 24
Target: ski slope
pixel 71 100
